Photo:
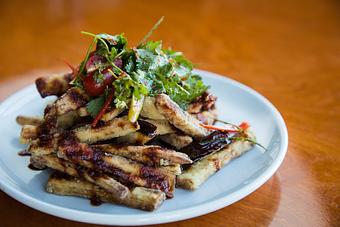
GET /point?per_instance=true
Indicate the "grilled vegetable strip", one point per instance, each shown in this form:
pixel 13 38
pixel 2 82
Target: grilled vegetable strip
pixel 148 154
pixel 111 114
pixel 114 128
pixel 200 171
pixel 28 133
pixel 139 197
pixel 179 118
pixel 121 168
pixel 53 85
pixel 25 120
pixel 177 140
pixel 73 99
pixel 104 181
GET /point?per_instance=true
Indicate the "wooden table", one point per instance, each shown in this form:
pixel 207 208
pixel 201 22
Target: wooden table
pixel 287 50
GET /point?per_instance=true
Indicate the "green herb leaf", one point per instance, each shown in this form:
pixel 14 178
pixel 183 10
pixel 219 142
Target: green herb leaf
pixel 95 105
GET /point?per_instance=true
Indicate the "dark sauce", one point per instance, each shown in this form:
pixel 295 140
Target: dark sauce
pixel 32 167
pixel 147 128
pixel 207 145
pixel 95 201
pixel 24 153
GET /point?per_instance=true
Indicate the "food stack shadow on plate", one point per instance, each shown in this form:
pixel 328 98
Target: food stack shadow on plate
pixel 136 164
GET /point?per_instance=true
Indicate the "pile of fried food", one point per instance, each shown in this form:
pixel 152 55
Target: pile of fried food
pixel 134 153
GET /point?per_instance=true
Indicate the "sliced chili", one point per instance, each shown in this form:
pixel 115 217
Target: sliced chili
pixel 103 109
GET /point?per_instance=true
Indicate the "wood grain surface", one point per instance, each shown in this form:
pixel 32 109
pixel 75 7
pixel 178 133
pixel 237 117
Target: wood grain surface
pixel 287 50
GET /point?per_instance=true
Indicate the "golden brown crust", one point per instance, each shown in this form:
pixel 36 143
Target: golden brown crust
pixel 139 197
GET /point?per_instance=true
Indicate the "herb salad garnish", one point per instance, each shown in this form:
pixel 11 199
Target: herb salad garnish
pixel 131 74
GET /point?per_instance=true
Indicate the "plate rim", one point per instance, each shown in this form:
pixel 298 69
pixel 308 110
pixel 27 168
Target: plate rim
pixel 154 218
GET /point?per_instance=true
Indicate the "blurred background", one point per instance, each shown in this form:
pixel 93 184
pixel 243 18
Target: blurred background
pixel 287 50
pixel 270 41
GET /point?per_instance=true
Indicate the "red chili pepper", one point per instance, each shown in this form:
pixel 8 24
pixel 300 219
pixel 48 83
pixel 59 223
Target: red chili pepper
pixel 244 125
pixel 74 70
pixel 69 65
pixel 213 127
pixel 102 111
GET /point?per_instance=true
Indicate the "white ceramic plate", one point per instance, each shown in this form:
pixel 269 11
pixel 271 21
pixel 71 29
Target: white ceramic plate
pixel 242 176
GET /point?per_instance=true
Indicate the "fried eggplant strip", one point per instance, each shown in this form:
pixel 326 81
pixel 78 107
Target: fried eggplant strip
pixel 147 154
pixel 201 170
pixel 114 128
pixel 139 197
pixel 53 85
pixel 178 117
pixel 119 167
pixel 104 181
pixel 25 120
pixel 72 99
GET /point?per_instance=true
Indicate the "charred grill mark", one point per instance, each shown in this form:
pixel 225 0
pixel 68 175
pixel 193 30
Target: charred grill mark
pixel 77 97
pixel 82 121
pixel 61 175
pixel 118 174
pixel 152 155
pixel 77 153
pixel 156 180
pixel 54 85
pixel 71 100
